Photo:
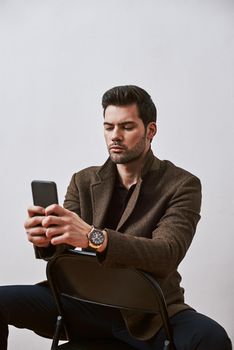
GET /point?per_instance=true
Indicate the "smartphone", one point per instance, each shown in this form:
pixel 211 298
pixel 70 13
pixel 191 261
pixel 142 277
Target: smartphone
pixel 44 193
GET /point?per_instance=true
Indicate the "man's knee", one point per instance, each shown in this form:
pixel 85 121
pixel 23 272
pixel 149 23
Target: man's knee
pixel 213 337
pixel 193 330
pixel 218 339
pixel 4 302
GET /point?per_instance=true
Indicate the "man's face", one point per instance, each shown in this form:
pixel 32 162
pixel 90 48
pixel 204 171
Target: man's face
pixel 124 133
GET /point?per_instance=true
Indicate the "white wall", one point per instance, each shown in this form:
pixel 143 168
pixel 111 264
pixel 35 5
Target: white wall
pixel 56 60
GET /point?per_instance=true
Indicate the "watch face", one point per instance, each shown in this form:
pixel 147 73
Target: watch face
pixel 96 237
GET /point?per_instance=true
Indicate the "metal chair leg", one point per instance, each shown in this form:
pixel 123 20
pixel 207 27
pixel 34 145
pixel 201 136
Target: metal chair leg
pixel 58 328
pixel 166 345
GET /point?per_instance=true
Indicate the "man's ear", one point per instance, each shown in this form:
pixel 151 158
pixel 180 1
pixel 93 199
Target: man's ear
pixel 151 130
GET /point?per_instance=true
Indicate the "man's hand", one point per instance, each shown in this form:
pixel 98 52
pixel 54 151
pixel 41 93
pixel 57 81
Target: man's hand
pixel 34 229
pixel 65 227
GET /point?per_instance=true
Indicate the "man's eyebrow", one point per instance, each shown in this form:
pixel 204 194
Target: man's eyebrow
pixel 106 123
pixel 123 123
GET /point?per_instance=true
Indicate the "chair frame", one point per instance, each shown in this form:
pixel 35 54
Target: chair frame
pixel 89 259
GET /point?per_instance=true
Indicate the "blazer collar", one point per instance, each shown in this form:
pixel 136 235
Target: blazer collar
pixel 151 163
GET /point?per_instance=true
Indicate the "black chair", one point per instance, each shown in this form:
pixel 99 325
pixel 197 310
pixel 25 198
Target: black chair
pixel 68 274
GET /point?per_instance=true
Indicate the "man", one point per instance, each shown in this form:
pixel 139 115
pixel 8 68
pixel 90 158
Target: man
pixel 135 211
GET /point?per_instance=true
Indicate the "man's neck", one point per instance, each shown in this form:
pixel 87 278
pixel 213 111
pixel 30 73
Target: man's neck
pixel 130 173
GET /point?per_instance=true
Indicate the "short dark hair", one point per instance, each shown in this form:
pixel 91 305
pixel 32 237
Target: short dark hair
pixel 131 94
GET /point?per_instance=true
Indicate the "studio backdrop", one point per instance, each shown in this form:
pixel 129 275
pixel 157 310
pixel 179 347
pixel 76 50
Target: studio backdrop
pixel 57 57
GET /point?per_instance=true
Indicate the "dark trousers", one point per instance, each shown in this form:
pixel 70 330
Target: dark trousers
pixel 32 307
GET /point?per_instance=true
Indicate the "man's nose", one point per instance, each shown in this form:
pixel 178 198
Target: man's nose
pixel 116 135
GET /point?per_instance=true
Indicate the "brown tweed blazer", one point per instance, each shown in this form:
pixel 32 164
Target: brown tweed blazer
pixel 154 232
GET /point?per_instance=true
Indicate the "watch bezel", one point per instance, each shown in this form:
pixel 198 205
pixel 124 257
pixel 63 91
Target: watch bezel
pixel 92 243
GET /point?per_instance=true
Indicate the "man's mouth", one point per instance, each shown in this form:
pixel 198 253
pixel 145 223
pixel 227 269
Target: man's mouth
pixel 116 148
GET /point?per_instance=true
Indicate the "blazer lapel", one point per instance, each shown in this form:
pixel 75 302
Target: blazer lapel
pixel 101 192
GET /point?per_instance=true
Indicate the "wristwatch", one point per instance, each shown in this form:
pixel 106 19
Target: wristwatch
pixel 96 238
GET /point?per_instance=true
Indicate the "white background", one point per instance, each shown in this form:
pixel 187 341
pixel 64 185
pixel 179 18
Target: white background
pixel 56 60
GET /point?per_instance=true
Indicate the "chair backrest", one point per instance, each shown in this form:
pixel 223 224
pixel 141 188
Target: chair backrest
pixel 79 275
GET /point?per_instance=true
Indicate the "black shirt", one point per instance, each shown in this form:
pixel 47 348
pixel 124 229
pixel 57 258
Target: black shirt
pixel 117 205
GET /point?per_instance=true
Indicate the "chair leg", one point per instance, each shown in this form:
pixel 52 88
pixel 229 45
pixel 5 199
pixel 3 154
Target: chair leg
pixel 57 332
pixel 168 346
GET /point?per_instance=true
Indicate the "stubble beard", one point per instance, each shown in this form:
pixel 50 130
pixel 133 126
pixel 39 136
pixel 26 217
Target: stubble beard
pixel 129 156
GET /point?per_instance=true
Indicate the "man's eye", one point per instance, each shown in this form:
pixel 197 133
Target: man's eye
pixel 109 128
pixel 128 128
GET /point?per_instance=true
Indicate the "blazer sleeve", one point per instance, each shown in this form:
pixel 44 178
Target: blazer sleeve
pixel 72 198
pixel 171 236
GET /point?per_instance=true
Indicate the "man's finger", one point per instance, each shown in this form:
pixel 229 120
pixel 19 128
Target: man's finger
pixel 33 221
pixel 35 210
pixel 52 221
pixel 39 241
pixel 36 231
pixel 60 239
pixel 56 209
